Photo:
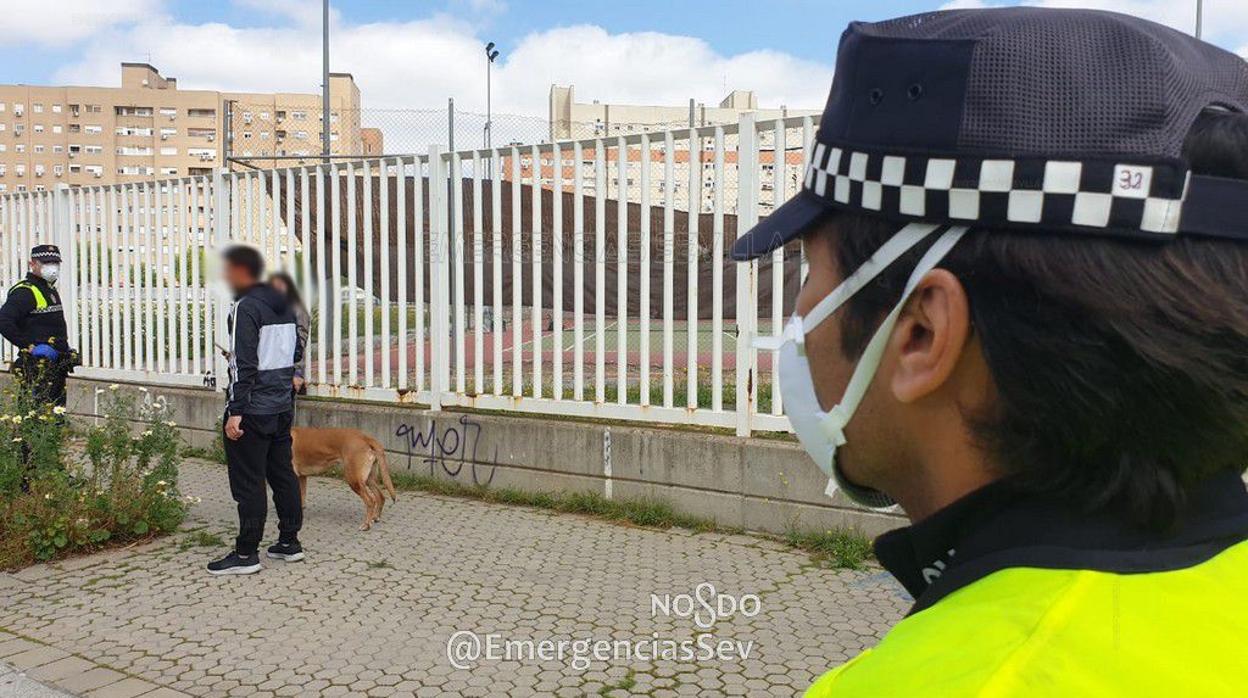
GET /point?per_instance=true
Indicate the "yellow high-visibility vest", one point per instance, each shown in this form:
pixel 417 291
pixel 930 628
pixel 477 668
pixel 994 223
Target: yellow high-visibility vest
pixel 1049 632
pixel 41 301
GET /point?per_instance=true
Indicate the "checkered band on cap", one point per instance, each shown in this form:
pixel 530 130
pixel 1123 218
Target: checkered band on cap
pixel 45 253
pixel 1027 192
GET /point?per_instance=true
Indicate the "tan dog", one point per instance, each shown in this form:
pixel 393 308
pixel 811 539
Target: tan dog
pixel 362 459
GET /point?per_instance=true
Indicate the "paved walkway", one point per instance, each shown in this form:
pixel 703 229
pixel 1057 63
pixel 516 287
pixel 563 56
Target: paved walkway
pixel 374 613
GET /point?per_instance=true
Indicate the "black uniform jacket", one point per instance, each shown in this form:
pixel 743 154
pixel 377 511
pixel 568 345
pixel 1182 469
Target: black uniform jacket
pixel 24 324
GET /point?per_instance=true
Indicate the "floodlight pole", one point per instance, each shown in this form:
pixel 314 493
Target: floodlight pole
pixel 331 306
pixel 489 64
pixel 325 80
pixel 490 55
pixel 1200 11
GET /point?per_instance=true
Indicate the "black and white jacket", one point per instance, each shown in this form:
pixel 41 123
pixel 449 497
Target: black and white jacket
pixel 264 348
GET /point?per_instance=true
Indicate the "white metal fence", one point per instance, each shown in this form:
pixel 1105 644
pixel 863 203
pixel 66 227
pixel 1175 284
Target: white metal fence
pixel 566 278
pixel 132 281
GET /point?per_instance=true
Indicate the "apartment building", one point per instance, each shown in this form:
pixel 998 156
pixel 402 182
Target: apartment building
pixel 572 120
pixel 289 124
pixel 774 166
pixel 148 128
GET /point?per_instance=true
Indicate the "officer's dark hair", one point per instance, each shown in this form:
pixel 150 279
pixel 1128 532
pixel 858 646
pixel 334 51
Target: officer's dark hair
pixel 246 257
pixel 1120 367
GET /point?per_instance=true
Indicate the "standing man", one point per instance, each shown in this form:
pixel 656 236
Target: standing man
pixel 1026 323
pixel 33 320
pixel 264 348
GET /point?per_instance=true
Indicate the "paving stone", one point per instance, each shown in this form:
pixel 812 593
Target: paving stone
pixel 165 693
pixel 126 688
pixel 35 657
pixel 16 645
pixel 60 669
pixel 90 679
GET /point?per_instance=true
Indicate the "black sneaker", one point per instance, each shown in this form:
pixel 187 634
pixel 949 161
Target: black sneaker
pixel 290 552
pixel 235 564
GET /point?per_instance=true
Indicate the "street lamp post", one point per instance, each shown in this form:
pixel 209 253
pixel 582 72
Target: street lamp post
pixel 325 82
pixel 490 55
pixel 325 283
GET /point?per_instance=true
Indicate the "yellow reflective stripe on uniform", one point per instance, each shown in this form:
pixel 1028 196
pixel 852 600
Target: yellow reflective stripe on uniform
pixel 40 301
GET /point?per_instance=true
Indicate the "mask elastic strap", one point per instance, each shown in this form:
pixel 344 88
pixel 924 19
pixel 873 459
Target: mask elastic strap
pixel 899 244
pixel 869 363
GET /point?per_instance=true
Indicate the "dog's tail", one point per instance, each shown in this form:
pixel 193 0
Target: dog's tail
pixel 383 467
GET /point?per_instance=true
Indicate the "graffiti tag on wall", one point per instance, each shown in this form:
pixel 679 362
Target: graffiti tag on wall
pixel 452 448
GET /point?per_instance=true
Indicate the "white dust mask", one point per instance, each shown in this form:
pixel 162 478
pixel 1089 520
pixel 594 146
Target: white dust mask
pixel 50 272
pixel 821 431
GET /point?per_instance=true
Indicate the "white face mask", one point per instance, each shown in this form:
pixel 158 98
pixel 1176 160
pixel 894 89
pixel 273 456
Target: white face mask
pixel 822 432
pixel 50 272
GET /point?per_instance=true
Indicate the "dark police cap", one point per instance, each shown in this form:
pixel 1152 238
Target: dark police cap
pixel 45 253
pixel 1019 118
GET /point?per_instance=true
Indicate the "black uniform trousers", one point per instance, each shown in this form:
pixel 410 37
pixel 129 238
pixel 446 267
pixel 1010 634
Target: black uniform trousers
pixel 263 453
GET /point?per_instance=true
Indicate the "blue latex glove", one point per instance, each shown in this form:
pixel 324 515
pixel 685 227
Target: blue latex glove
pixel 45 351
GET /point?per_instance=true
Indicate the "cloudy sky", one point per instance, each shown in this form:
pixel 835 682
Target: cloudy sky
pixel 416 53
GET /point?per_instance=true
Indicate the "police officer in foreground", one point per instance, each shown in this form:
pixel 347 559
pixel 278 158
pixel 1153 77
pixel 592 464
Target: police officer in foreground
pixel 33 320
pixel 1026 323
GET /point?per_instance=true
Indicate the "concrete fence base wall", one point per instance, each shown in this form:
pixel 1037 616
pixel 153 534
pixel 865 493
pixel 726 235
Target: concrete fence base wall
pixel 755 484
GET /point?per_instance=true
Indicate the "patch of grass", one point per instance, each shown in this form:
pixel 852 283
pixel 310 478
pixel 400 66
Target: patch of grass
pixel 380 565
pixel 648 513
pixel 625 684
pixel 102 579
pixel 843 548
pixel 840 548
pixel 214 453
pixel 201 539
pixel 200 454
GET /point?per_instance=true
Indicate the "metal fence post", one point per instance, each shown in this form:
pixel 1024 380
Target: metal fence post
pixel 65 237
pixel 439 292
pixel 747 274
pixel 452 203
pixel 220 237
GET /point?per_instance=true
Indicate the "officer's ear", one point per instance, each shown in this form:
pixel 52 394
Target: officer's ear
pixel 931 335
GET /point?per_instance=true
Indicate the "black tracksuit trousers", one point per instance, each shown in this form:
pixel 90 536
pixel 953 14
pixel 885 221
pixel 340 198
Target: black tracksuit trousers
pixel 263 453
